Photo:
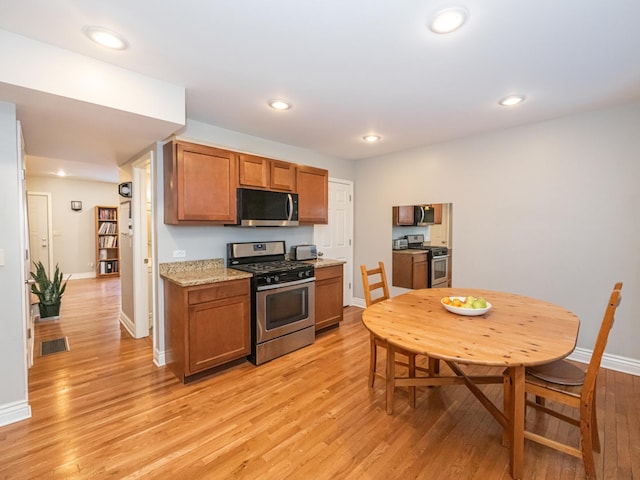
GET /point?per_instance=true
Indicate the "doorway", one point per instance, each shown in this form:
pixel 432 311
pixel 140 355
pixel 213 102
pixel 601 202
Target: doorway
pixel 143 246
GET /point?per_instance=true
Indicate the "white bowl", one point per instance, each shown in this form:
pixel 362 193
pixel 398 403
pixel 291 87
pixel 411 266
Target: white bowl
pixel 469 312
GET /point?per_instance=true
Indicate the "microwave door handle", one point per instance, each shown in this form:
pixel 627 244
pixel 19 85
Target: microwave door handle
pixel 289 207
pixel 421 215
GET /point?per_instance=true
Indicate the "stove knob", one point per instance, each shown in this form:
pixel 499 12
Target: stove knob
pixel 276 278
pixel 307 273
pixel 267 279
pixel 300 274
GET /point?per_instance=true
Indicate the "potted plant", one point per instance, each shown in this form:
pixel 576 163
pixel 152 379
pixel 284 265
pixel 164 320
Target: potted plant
pixel 49 291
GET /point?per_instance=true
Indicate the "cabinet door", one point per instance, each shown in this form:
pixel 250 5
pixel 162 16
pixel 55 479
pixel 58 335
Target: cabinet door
pixel 313 195
pixel 253 171
pixel 437 213
pixel 403 215
pixel 219 332
pixel 283 176
pixel 329 290
pixel 419 272
pixel 200 184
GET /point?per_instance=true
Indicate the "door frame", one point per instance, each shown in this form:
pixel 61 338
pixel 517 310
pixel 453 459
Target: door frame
pixel 139 250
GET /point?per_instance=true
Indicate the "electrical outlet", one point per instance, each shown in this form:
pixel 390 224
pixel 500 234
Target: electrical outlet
pixel 90 264
pixel 179 253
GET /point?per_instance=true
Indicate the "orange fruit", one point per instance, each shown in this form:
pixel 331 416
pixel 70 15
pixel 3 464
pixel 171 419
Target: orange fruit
pixel 456 302
pixel 446 300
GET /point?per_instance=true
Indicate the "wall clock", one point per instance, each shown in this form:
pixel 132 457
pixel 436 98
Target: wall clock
pixel 124 189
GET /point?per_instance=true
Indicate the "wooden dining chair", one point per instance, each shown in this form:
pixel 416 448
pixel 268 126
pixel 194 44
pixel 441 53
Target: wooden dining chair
pixel 376 289
pixel 565 383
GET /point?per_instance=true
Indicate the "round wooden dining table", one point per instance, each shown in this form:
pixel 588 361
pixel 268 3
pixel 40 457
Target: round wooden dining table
pixel 515 333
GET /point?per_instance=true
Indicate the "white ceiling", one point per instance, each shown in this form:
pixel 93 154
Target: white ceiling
pixel 349 67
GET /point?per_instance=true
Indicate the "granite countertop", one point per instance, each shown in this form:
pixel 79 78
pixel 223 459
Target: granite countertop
pixel 324 262
pixel 200 272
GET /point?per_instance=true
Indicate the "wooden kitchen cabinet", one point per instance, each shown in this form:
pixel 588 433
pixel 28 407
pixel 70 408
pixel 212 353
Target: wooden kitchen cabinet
pixel 206 326
pixel 329 300
pixel 410 270
pixel 313 195
pixel 264 173
pixel 437 213
pixel 403 215
pixel 199 184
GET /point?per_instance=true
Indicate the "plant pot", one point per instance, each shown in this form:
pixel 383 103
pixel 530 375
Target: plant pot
pixel 49 312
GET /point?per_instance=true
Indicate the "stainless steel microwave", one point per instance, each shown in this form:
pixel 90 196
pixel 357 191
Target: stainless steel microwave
pixel 262 208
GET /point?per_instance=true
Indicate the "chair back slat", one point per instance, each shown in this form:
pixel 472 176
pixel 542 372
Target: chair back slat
pixel 601 342
pixel 375 289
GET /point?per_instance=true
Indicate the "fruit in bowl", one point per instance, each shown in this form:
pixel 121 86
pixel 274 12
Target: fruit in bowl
pixel 469 305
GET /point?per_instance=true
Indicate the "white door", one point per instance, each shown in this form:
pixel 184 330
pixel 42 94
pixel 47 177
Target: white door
pixel 335 240
pixel 40 228
pixel 29 312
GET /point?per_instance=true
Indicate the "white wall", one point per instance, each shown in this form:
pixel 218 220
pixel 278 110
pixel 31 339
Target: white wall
pixel 13 373
pixel 74 246
pixel 547 210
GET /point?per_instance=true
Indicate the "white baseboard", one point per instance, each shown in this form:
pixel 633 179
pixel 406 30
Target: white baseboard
pixel 159 358
pixel 79 276
pixel 612 362
pixel 582 355
pixel 128 324
pixel 14 412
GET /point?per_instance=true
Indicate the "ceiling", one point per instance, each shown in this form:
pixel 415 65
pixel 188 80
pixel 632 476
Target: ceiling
pixel 349 68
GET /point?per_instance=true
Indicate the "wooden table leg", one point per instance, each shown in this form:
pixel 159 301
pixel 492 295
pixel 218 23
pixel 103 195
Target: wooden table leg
pixel 391 375
pixel 516 421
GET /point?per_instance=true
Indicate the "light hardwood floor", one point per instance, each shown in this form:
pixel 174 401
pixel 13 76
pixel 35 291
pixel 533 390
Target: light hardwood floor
pixel 103 410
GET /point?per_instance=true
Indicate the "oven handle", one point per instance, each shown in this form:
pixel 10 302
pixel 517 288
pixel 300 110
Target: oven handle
pixel 439 257
pixel 288 284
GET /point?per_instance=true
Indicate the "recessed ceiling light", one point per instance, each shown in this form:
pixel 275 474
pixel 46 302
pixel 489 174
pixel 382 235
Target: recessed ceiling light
pixel 372 138
pixel 448 20
pixel 279 105
pixel 512 100
pixel 61 173
pixel 105 37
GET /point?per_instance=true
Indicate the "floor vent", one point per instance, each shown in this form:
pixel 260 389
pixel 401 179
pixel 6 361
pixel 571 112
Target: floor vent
pixel 49 347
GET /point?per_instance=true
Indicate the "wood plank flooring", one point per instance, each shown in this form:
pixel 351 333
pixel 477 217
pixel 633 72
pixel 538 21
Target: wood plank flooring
pixel 103 410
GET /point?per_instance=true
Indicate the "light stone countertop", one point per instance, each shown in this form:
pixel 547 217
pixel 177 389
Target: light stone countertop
pixel 200 272
pixel 408 251
pixel 324 262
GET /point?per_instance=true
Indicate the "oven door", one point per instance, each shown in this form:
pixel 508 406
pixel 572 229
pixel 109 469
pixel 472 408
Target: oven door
pixel 439 272
pixel 284 308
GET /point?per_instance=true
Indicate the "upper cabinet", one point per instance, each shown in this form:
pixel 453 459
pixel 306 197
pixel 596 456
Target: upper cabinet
pixel 260 172
pixel 313 195
pixel 403 215
pixel 199 184
pixel 417 215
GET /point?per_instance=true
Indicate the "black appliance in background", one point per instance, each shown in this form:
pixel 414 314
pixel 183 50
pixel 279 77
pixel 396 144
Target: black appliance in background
pixel 423 215
pixel 262 208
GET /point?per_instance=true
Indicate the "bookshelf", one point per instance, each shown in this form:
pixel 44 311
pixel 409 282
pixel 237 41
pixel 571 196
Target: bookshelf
pixel 107 242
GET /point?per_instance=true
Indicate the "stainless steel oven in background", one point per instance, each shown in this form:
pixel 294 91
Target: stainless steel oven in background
pixel 439 268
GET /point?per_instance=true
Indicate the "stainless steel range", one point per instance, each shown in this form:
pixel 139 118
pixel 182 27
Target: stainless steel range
pixel 437 258
pixel 283 298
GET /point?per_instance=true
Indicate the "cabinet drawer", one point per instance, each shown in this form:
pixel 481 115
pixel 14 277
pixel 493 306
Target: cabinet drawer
pixel 328 272
pixel 233 288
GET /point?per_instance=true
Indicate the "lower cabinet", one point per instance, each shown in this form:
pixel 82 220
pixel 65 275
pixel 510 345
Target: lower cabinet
pixel 207 325
pixel 329 282
pixel 410 270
